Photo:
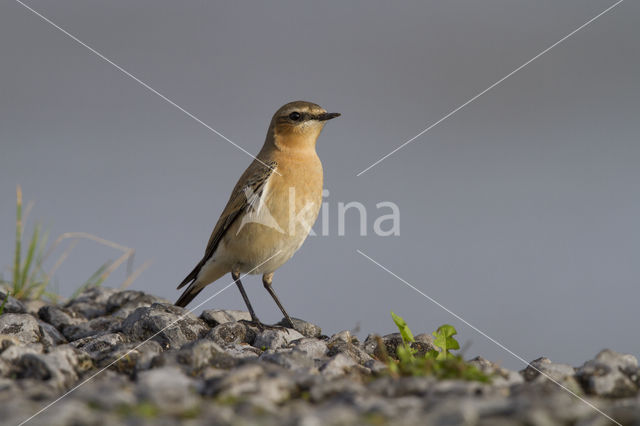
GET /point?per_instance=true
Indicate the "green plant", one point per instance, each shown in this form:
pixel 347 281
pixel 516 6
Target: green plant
pixel 441 363
pixel 30 280
pixel 4 302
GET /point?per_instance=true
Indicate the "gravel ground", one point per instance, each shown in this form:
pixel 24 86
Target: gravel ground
pixel 137 359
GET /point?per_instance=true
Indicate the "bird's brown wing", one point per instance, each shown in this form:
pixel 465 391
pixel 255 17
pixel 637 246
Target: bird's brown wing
pixel 249 188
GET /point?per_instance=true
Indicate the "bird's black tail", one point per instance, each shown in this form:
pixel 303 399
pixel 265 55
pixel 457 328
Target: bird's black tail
pixel 192 275
pixel 188 295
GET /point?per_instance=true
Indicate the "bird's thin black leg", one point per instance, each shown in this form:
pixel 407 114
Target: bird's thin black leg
pixel 236 278
pixel 266 281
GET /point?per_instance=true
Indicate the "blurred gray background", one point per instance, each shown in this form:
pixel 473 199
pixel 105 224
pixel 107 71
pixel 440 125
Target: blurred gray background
pixel 520 212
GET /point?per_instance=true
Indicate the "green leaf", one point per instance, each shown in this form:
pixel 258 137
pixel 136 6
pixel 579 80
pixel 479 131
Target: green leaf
pixel 439 364
pixel 445 341
pixel 432 354
pixel 405 332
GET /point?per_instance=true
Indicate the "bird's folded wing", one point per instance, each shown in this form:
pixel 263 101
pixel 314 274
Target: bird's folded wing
pixel 249 188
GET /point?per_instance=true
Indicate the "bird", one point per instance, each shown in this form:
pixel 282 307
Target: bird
pixel 271 209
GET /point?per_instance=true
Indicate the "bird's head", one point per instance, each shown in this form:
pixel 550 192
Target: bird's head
pixel 298 124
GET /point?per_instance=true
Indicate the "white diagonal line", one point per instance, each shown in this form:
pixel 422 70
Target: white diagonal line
pixel 490 338
pixel 136 79
pixel 145 341
pixel 492 86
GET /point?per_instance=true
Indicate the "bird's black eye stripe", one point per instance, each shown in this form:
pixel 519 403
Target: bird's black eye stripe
pixel 295 116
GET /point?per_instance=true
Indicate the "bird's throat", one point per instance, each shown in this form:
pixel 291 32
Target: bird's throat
pixel 289 140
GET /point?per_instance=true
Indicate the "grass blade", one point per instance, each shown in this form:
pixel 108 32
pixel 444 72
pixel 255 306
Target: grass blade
pixel 18 249
pixel 31 280
pixel 4 302
pixel 27 267
pixel 94 280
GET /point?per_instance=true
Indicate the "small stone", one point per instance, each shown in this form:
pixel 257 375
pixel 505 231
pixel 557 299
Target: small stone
pixel 33 306
pixel 131 357
pixel 50 335
pixel 338 365
pixel 370 345
pixel 231 332
pixel 607 375
pixel 203 353
pixel 169 325
pixel 100 325
pixel 147 354
pixel 92 302
pixel 59 317
pixel 7 340
pixel 166 387
pixel 215 317
pixel 253 382
pixel 242 351
pixel 313 348
pixel 274 338
pixel 11 304
pixel 342 335
pixel 291 360
pixel 60 367
pixel 98 347
pixel 617 360
pixel 235 381
pixel 423 343
pixel 499 376
pixel 123 303
pixel 544 365
pixel 23 327
pixel 352 351
pixel 15 352
pixel 305 328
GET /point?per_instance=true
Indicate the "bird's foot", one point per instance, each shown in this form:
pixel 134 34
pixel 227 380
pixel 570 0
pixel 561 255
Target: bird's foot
pixel 287 322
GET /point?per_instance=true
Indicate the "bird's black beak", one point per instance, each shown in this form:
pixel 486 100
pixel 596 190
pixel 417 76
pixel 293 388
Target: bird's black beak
pixel 327 116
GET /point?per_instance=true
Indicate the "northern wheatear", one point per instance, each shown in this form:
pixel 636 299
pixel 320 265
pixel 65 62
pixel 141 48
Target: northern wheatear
pixel 271 209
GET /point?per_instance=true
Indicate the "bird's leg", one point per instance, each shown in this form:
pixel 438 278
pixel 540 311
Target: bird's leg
pixel 267 279
pixel 236 278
